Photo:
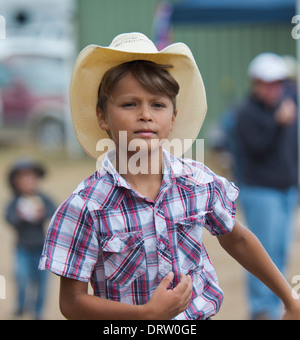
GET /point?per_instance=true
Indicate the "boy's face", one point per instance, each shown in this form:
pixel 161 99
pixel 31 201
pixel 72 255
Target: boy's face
pixel 143 115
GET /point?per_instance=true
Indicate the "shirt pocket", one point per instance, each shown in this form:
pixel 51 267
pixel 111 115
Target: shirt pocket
pixel 189 241
pixel 124 257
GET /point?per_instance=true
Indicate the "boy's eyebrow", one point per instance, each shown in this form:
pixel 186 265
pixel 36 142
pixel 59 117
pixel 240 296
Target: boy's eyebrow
pixel 134 97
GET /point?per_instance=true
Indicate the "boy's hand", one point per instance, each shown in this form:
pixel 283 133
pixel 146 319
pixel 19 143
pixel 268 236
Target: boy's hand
pixel 293 312
pixel 167 303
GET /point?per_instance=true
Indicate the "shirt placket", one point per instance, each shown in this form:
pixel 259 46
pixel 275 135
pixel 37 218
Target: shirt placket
pixel 163 239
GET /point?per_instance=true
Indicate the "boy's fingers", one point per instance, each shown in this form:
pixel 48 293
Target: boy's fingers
pixel 165 282
pixel 185 289
pixel 185 284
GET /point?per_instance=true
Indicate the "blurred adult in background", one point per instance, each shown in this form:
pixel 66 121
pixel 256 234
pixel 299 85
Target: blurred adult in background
pixel 266 137
pixel 27 213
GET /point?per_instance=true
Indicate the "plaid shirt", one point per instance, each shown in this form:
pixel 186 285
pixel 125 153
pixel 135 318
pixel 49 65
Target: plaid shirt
pixel 124 243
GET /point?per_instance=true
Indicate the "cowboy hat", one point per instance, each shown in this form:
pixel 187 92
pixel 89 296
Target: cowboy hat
pixel 93 62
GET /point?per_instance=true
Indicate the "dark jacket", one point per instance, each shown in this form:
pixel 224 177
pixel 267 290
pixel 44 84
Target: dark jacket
pixel 29 234
pixel 268 150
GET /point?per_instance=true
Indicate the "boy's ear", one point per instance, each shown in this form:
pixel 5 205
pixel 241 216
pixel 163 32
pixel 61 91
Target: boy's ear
pixel 102 120
pixel 173 119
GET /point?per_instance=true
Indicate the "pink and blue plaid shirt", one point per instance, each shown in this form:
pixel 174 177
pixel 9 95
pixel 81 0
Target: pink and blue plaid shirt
pixel 124 243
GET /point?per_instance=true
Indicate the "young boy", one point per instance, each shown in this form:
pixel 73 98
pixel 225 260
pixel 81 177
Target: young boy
pixel 137 235
pixel 27 212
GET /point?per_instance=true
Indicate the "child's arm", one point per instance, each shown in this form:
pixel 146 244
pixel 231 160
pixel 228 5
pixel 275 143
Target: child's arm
pixel 244 247
pixel 76 303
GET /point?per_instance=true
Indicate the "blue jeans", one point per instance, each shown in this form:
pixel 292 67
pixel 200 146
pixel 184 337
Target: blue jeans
pixel 29 279
pixel 269 215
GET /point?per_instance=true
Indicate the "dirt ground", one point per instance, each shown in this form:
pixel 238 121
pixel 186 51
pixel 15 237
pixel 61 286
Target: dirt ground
pixel 63 176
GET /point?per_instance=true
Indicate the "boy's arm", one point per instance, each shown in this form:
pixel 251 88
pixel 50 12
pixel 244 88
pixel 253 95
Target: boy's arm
pixel 245 248
pixel 76 303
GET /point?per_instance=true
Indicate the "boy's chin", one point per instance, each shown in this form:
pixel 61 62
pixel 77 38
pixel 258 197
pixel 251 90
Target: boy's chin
pixel 145 151
pixel 143 145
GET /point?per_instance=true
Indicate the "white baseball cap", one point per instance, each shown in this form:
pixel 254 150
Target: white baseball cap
pixel 268 67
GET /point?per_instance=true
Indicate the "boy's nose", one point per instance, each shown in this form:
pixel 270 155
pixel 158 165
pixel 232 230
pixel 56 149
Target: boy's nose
pixel 145 114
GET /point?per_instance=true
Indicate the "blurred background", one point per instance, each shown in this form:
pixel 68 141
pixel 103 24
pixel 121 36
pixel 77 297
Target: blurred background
pixel 43 38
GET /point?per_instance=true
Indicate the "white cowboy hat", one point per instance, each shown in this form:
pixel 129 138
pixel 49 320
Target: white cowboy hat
pixel 94 61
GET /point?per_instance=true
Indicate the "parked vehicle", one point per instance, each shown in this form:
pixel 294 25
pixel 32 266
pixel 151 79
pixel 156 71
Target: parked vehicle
pixel 33 94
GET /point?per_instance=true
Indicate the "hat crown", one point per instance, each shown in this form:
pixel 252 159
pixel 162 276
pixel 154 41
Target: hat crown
pixel 133 42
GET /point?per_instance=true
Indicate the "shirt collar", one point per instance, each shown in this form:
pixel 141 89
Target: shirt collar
pixel 188 172
pixel 109 166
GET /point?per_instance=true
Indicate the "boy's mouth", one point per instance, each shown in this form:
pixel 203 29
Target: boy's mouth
pixel 145 133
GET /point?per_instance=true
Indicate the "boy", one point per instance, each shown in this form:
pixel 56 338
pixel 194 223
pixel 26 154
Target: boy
pixel 27 213
pixel 137 237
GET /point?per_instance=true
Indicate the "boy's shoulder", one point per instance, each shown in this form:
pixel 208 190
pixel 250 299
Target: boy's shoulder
pixel 191 171
pixel 198 174
pixel 215 185
pixel 95 189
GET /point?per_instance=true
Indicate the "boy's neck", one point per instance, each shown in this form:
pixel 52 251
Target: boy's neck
pixel 144 172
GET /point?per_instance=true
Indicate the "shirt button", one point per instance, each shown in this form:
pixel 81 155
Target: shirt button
pixel 162 246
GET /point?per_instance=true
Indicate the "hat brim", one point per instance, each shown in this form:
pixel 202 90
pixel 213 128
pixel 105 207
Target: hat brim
pixel 94 61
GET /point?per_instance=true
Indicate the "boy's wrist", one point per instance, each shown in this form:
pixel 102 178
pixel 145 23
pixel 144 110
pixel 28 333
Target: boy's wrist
pixel 292 310
pixel 292 304
pixel 146 312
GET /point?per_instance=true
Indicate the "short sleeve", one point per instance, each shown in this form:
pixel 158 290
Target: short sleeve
pixel 220 218
pixel 71 246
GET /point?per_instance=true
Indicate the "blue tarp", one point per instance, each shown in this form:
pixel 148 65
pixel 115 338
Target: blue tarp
pixel 233 11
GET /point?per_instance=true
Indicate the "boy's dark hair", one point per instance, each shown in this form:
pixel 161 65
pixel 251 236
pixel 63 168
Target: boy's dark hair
pixel 153 77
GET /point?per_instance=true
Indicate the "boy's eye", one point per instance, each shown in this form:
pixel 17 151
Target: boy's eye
pixel 159 105
pixel 128 105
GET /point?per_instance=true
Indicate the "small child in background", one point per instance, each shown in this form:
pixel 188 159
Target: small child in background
pixel 27 212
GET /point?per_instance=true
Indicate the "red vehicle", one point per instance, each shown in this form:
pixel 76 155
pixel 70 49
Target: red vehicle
pixel 32 95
